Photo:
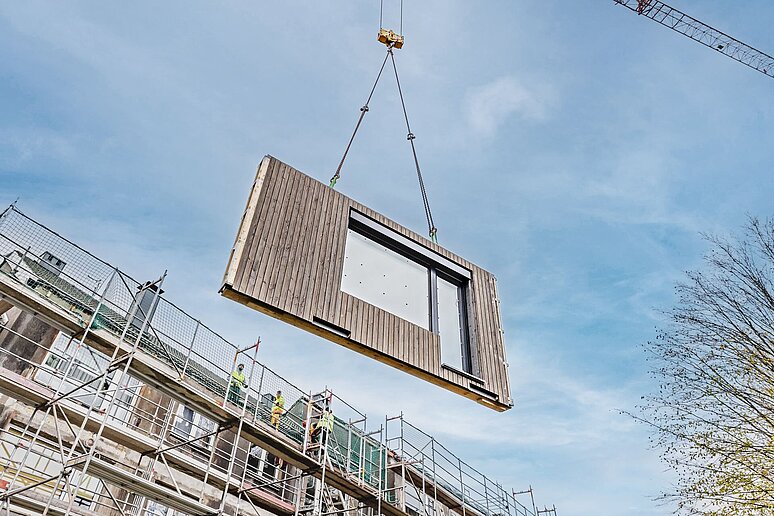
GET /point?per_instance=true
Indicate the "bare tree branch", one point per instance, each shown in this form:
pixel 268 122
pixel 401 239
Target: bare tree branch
pixel 712 416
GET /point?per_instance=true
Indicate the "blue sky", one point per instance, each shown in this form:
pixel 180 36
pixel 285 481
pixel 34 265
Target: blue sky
pixel 572 148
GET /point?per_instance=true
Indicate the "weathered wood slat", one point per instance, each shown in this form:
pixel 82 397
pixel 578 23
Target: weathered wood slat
pixel 255 259
pixel 288 261
pixel 287 292
pixel 492 353
pixel 505 385
pixel 320 269
pixel 281 240
pixel 307 258
pixel 244 262
pixel 474 330
pixel 317 260
pixel 269 231
pixel 484 323
pixel 337 263
pixel 330 282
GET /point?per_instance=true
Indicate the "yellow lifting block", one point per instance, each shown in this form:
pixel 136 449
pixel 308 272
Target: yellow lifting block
pixel 390 39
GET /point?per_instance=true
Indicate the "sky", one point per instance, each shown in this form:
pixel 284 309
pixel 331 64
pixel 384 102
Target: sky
pixel 574 149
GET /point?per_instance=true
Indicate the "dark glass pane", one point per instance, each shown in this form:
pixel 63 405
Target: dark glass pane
pixel 449 324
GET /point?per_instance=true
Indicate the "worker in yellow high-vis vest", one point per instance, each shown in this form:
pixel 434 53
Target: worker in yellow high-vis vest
pixel 323 427
pixel 237 384
pixel 277 409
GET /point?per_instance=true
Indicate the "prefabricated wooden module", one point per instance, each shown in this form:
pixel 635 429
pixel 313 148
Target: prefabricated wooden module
pixel 311 256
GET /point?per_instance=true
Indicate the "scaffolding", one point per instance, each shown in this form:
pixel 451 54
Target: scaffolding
pixel 132 409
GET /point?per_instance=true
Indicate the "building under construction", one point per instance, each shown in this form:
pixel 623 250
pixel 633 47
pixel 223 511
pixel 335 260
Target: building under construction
pixel 116 401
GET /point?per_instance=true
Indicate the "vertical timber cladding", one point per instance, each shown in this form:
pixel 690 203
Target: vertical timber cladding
pixel 294 259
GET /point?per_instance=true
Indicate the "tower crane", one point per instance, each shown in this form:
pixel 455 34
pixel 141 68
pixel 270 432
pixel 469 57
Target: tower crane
pixel 691 27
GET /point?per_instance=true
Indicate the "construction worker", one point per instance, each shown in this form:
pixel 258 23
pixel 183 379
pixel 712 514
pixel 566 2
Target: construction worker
pixel 323 427
pixel 237 384
pixel 277 409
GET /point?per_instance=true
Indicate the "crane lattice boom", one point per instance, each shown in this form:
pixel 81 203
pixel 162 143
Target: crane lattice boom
pixel 703 33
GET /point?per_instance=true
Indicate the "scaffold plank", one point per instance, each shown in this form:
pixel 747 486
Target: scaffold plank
pixel 16 386
pixel 118 476
pixel 28 505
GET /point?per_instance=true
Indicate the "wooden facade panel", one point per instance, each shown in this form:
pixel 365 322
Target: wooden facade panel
pixel 399 339
pixel 367 311
pixel 260 237
pixel 494 334
pixel 319 267
pixel 262 251
pixel 276 266
pixel 281 241
pixel 481 326
pixel 337 258
pixel 302 233
pixel 287 256
pixel 328 278
pixel 288 261
pixel 274 232
pixel 310 257
pixel 243 268
pixel 323 225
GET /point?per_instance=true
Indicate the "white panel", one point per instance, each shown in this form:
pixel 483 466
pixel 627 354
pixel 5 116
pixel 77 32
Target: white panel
pixel 386 279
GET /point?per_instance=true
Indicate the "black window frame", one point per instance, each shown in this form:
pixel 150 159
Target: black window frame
pixel 438 266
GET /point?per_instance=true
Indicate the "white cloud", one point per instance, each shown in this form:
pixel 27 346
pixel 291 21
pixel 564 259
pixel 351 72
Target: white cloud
pixel 490 105
pixel 22 145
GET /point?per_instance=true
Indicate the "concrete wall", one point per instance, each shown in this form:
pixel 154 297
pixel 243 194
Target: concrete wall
pixel 150 410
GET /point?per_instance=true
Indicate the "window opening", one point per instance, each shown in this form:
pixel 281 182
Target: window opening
pixel 190 425
pixel 86 367
pixel 450 325
pixel 265 467
pixel 384 278
pixel 390 271
pixel 156 509
pixel 87 494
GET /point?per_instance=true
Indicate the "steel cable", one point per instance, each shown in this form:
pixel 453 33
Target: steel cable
pixel 363 111
pixel 410 137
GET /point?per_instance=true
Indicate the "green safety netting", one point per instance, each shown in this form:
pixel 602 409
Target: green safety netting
pixel 349 450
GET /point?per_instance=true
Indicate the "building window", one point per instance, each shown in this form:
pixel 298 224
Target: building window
pixel 88 493
pixel 452 329
pixel 265 470
pixel 191 425
pixel 263 464
pixel 156 509
pixel 51 263
pixel 390 271
pixel 382 277
pixel 87 365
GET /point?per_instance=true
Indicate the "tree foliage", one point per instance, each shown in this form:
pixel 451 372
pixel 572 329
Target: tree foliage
pixel 713 413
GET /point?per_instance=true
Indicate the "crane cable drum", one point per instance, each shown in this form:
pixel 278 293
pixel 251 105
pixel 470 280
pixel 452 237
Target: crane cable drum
pixel 392 40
